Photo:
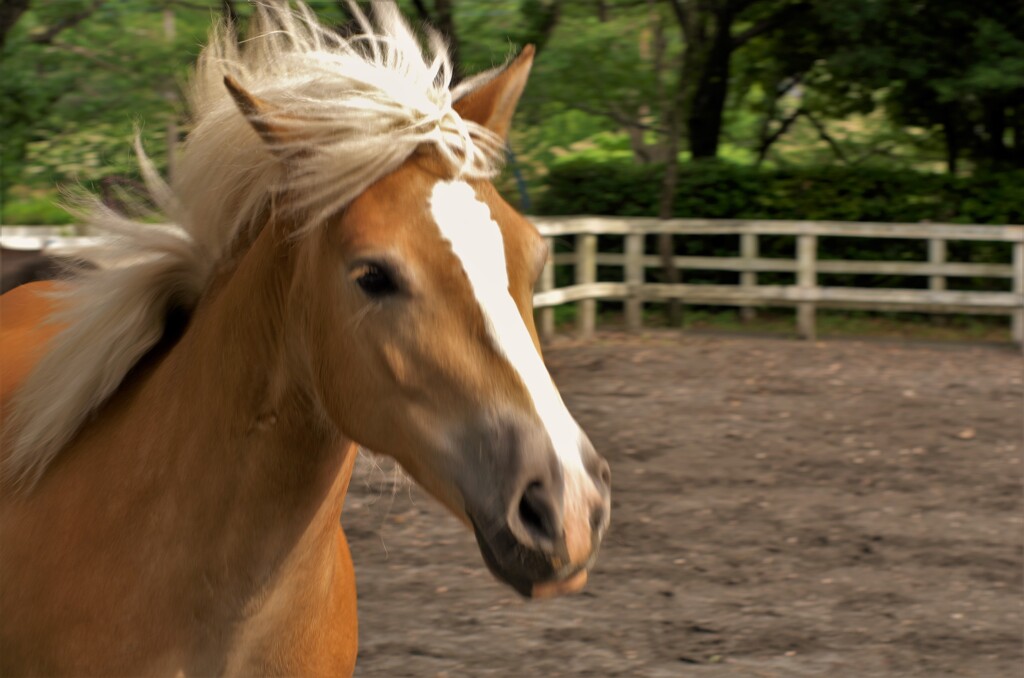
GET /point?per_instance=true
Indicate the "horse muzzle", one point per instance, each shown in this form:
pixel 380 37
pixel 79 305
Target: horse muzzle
pixel 540 529
pixel 533 574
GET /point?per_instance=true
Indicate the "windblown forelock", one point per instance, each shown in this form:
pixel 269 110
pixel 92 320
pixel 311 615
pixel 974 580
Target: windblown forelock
pixel 349 109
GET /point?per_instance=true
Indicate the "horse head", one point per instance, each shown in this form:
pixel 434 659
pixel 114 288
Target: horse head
pixel 419 293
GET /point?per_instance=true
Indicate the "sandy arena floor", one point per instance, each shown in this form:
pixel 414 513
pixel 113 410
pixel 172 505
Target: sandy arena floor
pixel 781 508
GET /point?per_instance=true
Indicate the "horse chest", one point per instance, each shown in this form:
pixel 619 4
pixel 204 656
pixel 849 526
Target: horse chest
pixel 305 626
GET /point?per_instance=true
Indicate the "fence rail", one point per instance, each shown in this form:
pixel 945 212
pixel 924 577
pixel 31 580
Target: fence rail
pixel 807 294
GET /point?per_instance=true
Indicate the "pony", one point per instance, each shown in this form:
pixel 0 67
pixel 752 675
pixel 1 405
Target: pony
pixel 19 266
pixel 179 430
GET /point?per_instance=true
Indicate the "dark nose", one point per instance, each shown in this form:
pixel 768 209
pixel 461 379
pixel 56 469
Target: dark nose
pixel 545 519
pixel 600 472
pixel 537 517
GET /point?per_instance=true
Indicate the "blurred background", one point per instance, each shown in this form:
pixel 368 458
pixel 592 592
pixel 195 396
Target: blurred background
pixel 852 110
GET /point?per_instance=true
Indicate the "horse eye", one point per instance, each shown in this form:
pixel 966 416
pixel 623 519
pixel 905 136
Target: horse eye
pixel 376 281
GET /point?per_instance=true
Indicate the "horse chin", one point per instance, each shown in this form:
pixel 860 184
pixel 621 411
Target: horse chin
pixel 528 572
pixel 551 589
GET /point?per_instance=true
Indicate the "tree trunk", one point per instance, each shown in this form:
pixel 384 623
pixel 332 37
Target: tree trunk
pixel 10 12
pixel 666 205
pixel 707 31
pixel 1017 125
pixel 666 243
pixel 441 20
pixel 704 121
pixel 949 129
pixel 445 22
pixel 637 142
pixel 541 19
pixel 995 129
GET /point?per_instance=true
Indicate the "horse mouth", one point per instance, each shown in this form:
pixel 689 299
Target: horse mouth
pixel 528 572
pixel 560 587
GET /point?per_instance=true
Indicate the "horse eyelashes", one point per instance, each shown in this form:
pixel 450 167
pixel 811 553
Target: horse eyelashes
pixel 377 281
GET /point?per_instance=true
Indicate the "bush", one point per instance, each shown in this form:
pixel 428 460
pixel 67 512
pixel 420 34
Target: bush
pixel 717 190
pixel 723 191
pixel 35 211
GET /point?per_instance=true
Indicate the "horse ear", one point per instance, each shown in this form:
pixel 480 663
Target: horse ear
pixel 493 103
pixel 256 111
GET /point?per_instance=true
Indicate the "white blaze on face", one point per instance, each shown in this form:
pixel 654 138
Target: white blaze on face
pixel 476 239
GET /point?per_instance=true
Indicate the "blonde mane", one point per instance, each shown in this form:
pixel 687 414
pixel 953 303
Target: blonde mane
pixel 345 112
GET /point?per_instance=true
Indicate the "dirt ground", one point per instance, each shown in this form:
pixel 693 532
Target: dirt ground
pixel 781 508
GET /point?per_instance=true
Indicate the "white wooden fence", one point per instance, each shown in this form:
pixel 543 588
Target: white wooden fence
pixel 806 294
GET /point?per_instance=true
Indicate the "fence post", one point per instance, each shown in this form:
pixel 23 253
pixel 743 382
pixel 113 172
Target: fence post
pixel 748 278
pixel 634 280
pixel 1017 321
pixel 586 273
pixel 807 279
pixel 547 282
pixel 936 255
pixel 937 283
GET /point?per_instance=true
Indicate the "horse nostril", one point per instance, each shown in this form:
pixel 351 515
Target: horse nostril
pixel 604 474
pixel 597 519
pixel 537 516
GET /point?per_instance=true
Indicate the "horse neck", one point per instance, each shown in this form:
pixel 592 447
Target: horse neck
pixel 250 465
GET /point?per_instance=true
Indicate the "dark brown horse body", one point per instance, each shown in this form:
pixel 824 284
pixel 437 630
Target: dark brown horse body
pixel 18 267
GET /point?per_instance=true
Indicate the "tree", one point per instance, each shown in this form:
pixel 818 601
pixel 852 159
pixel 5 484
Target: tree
pixel 702 89
pixel 608 62
pixel 535 21
pixel 77 75
pixel 10 12
pixel 440 17
pixel 709 30
pixel 952 67
pixel 663 66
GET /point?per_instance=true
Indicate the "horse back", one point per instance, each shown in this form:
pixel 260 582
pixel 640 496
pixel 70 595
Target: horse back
pixel 25 332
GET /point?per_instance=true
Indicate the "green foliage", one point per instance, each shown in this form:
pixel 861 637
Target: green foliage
pixel 36 211
pixel 874 73
pixel 68 105
pixel 952 67
pixel 596 67
pixel 583 185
